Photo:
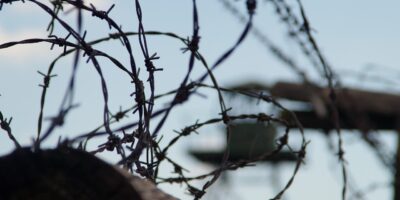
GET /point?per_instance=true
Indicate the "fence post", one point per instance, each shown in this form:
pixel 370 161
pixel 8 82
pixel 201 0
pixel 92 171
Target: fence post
pixel 396 189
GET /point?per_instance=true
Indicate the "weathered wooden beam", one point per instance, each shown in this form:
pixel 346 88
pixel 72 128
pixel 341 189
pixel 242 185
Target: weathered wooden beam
pixel 365 122
pixel 352 100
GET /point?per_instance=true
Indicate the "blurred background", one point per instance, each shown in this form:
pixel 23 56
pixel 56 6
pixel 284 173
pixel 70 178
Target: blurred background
pixel 360 39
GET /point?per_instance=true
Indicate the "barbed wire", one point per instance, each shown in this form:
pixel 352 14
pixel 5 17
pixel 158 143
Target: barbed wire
pixel 138 142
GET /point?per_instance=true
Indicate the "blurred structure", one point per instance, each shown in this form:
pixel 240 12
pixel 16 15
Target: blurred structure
pixel 343 108
pixel 249 140
pixel 351 109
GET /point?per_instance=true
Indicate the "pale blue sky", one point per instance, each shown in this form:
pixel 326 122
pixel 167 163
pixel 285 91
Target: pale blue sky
pixel 352 35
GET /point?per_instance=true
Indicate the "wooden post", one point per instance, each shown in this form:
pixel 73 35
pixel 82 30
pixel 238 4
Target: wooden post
pixel 396 189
